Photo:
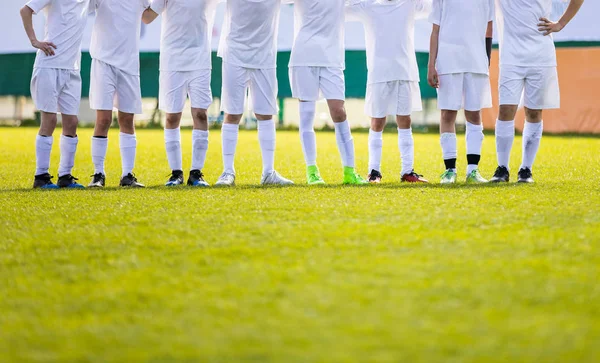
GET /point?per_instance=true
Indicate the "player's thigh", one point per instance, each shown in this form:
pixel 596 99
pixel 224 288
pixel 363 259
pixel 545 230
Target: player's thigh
pixel 235 84
pixel 305 83
pixel 511 84
pixel 542 89
pixel 172 91
pixel 332 83
pixel 381 99
pixel 199 89
pixel 263 91
pixel 477 92
pixel 70 94
pixel 103 85
pixel 45 89
pixel 450 91
pixel 129 94
pixel 409 98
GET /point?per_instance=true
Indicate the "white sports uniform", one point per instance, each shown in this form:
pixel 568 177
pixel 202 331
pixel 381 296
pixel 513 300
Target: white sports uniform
pixel 462 62
pixel 248 47
pixel 317 59
pixel 527 57
pixel 56 82
pixel 115 46
pixel 393 78
pixel 185 54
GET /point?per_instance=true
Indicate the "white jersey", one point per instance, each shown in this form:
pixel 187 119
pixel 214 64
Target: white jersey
pixel 463 26
pixel 116 33
pixel 319 34
pixel 65 23
pixel 186 33
pixel 521 43
pixel 249 36
pixel 390 37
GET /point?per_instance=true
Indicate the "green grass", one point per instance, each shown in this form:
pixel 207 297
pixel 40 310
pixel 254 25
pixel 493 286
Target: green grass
pixel 391 273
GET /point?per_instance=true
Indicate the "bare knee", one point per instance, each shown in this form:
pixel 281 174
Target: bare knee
pixel 507 112
pixel 69 125
pixel 48 124
pixel 378 124
pixel 448 121
pixel 338 113
pixel 473 117
pixel 533 116
pixel 103 121
pixel 403 122
pixel 200 119
pixel 173 120
pixel 126 124
pixel 232 119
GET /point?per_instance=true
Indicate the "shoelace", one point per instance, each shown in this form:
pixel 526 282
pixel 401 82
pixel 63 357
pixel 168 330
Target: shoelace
pixel 97 177
pixel 500 171
pixel 415 174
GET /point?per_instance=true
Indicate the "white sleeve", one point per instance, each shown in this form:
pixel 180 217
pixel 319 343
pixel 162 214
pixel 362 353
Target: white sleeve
pixel 38 5
pixel 436 12
pixel 355 9
pixel 158 5
pixel 145 3
pixel 492 14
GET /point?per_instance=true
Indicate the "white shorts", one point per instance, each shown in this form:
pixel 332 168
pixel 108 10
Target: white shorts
pixel 175 87
pixel 56 90
pixel 314 83
pixel 262 84
pixel 111 88
pixel 537 85
pixel 469 91
pixel 393 98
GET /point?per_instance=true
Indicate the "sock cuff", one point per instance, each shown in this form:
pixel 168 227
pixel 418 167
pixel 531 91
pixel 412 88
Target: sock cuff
pixel 69 140
pixel 230 128
pixel 199 134
pixel 405 132
pixel 265 124
pixel 172 135
pixel 308 107
pixel 448 135
pixel 375 134
pixel 127 140
pixel 505 128
pixel 531 127
pixel 471 127
pixel 342 126
pixel 44 140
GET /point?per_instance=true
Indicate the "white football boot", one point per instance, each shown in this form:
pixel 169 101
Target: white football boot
pixel 274 178
pixel 226 180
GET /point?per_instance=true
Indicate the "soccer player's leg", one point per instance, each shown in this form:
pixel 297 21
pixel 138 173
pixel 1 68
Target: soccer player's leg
pixel 450 99
pixel 43 91
pixel 200 98
pixel 129 103
pixel 377 101
pixel 477 96
pixel 333 88
pixel 233 98
pixel 172 96
pixel 541 92
pixel 103 83
pixel 305 87
pixel 68 104
pixel 409 101
pixel 511 83
pixel 263 93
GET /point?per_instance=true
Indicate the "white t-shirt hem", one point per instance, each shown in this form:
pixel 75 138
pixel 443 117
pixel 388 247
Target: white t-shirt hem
pixel 251 66
pixel 117 67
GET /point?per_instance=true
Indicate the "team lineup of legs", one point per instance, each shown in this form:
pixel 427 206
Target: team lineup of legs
pixel 458 68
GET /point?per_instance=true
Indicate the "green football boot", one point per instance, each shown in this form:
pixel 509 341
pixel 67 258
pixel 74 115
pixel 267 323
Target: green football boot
pixel 351 177
pixel 475 177
pixel 312 176
pixel 449 177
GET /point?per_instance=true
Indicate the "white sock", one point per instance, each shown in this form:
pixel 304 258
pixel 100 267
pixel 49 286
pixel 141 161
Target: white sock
pixel 267 140
pixel 345 143
pixel 43 147
pixel 68 147
pixel 229 139
pixel 474 140
pixel 406 145
pixel 128 145
pixel 505 135
pixel 99 146
pixel 448 143
pixel 307 132
pixel 199 148
pixel 173 147
pixel 532 135
pixel 375 149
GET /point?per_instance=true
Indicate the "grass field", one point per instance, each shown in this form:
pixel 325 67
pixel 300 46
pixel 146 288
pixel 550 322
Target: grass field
pixel 389 273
